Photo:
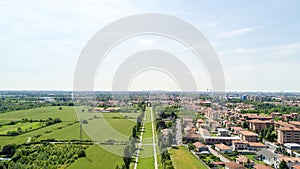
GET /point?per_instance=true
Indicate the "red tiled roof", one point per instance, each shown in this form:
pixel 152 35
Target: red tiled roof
pixel 233 165
pixel 261 166
pixel 256 144
pixel 222 147
pixel 198 144
pixel 248 133
pixel 289 129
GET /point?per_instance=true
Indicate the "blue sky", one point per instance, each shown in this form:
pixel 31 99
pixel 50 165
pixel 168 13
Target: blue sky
pixel 258 42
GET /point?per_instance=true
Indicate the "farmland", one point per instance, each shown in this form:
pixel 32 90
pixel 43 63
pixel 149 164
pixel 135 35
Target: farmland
pixel 69 129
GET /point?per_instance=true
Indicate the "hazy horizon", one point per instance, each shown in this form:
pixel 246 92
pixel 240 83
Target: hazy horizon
pixel 258 47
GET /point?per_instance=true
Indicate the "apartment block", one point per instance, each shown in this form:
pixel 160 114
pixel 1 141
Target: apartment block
pixel 288 135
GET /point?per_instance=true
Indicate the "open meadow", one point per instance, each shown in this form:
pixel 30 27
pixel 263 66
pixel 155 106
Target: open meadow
pixel 69 129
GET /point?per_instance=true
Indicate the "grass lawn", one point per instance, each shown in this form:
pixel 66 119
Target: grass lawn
pixel 96 158
pixel 146 160
pixel 183 159
pixel 252 158
pixel 66 114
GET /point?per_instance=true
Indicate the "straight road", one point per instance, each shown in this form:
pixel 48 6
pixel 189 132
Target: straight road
pixel 146 143
pixel 153 140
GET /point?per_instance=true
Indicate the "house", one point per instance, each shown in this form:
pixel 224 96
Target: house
pixel 261 166
pixel 267 156
pixel 248 136
pixel 191 136
pixel 256 146
pixel 223 148
pixel 290 161
pixel 244 161
pixel 217 140
pixel 240 145
pixel 236 130
pixel 233 165
pixel 199 123
pixel 291 147
pixel 297 166
pixel 217 164
pixel 222 132
pixel 188 121
pixel 200 147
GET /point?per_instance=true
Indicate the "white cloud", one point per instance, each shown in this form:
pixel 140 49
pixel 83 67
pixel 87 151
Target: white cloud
pixel 283 50
pixel 236 32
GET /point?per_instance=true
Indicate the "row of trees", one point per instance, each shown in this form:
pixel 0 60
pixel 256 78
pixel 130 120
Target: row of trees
pixel 43 123
pixel 130 147
pixel 44 155
pixel 267 134
pixel 166 160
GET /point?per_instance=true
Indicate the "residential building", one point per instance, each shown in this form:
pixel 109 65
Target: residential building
pixel 222 132
pixel 236 130
pixel 257 125
pixel 248 136
pixel 261 166
pixel 291 147
pixel 240 145
pixel 288 135
pixel 244 161
pixel 280 124
pixel 290 161
pixel 256 146
pixel 267 156
pixel 200 147
pixel 217 140
pixel 295 123
pixel 223 148
pixel 233 165
pixel 297 166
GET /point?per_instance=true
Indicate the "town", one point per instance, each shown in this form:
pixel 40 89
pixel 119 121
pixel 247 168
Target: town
pixel 172 129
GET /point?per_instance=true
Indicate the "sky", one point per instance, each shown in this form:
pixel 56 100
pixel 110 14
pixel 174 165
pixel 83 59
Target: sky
pixel 257 42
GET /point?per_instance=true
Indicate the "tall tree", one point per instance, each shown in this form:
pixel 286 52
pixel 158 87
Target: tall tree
pixel 283 165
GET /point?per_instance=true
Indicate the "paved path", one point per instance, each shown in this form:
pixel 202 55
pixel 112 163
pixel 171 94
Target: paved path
pixel 217 154
pixel 153 140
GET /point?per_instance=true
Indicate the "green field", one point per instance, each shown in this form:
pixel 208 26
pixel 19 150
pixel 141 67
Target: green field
pixel 183 159
pixel 97 157
pixel 115 126
pixel 24 126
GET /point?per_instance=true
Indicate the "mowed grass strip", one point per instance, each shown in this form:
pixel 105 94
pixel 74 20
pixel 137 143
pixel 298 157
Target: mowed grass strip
pixel 183 159
pixel 146 159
